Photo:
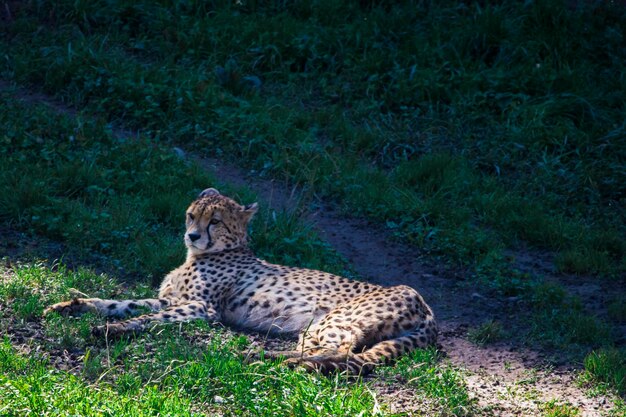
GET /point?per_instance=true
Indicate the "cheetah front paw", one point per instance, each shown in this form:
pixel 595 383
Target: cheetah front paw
pixel 75 307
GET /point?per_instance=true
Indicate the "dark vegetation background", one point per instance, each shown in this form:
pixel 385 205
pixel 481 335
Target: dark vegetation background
pixel 468 127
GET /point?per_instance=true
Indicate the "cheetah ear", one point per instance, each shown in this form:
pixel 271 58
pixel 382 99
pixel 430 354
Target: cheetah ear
pixel 248 210
pixel 209 192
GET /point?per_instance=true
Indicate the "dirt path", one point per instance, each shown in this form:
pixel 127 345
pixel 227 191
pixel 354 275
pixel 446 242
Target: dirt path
pixel 506 380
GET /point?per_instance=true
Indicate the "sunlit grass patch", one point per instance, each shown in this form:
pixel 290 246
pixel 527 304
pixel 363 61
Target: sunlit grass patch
pixel 556 409
pixel 29 386
pixel 207 384
pixel 423 371
pixel 29 288
pixel 607 366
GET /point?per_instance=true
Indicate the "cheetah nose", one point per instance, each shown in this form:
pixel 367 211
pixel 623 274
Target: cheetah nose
pixel 193 236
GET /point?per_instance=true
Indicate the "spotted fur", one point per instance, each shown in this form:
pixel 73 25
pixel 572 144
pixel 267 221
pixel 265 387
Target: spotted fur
pixel 342 324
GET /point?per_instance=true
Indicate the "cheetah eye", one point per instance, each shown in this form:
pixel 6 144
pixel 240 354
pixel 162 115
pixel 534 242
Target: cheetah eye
pixel 190 216
pixel 214 221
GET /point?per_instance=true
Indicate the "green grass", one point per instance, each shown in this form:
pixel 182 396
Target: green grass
pixel 190 381
pixel 561 321
pixel 419 370
pixel 466 129
pixel 489 332
pixel 608 366
pixel 617 311
pixel 29 288
pixel 554 409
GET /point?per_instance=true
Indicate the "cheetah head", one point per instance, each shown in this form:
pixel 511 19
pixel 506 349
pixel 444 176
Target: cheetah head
pixel 216 223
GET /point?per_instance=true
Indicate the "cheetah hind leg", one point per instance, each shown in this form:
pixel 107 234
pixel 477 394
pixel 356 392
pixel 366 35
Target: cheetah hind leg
pixel 363 363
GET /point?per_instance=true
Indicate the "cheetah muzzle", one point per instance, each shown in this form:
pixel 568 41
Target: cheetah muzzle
pixel 342 324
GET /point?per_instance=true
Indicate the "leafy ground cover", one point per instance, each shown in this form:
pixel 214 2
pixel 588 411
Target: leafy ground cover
pixel 466 129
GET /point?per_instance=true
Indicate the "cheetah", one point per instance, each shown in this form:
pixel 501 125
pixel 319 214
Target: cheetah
pixel 344 325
